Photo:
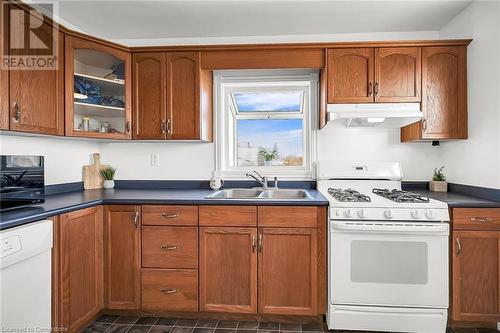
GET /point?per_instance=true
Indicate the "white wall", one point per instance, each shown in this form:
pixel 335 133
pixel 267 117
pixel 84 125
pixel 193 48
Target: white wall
pixel 476 161
pixel 64 158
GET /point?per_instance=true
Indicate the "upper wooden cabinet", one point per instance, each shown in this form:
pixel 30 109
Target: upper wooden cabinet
pixel 37 95
pixel 122 257
pixel 444 95
pixel 367 75
pixel 350 75
pixel 397 74
pixel 79 252
pixel 98 90
pixel 172 97
pixel 150 102
pixel 4 80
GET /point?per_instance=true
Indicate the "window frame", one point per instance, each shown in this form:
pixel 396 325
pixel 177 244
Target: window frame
pixel 228 82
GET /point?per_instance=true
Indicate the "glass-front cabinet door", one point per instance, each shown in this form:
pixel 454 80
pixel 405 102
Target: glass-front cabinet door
pixel 98 93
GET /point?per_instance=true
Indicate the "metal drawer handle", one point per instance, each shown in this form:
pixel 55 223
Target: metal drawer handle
pixel 168 290
pixel 424 125
pixel 254 243
pixel 163 126
pixel 168 247
pixel 136 219
pixel 459 247
pixel 17 112
pixel 170 216
pixel 481 219
pixel 260 243
pixel 370 88
pixel 376 89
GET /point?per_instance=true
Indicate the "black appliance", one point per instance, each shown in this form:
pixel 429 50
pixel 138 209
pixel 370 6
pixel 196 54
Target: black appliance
pixel 21 181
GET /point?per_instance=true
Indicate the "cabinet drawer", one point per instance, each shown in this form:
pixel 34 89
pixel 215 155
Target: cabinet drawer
pixel 288 216
pixel 169 215
pixel 170 247
pixel 230 216
pixel 476 218
pixel 175 290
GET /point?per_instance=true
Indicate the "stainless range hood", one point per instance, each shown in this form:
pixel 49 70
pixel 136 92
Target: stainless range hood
pixel 387 115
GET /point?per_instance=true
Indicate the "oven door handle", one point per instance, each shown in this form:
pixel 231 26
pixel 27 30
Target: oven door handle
pixel 393 228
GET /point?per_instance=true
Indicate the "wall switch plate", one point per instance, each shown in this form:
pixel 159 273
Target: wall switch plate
pixel 155 159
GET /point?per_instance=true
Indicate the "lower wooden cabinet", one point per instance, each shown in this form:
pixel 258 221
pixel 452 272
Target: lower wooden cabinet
pixel 228 269
pixel 170 290
pixel 78 250
pixel 122 257
pixel 476 276
pixel 288 271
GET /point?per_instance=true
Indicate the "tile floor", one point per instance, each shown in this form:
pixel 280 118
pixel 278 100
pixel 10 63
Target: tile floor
pixel 129 324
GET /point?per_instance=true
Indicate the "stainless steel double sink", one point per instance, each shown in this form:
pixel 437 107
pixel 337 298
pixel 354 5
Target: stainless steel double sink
pixel 260 193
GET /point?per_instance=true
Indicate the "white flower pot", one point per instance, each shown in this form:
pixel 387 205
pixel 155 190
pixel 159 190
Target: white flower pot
pixel 108 184
pixel 268 163
pixel 438 186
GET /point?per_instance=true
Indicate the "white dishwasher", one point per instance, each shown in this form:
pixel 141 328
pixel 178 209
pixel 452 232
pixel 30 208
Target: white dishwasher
pixel 25 277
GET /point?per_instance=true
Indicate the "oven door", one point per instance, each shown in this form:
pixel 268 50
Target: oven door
pixel 389 263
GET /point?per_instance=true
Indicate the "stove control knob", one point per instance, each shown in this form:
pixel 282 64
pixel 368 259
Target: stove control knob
pixel 347 213
pixel 361 213
pixel 429 214
pixel 388 214
pixel 415 214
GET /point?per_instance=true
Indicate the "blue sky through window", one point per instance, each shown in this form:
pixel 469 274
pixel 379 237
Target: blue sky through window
pixel 271 102
pixel 287 134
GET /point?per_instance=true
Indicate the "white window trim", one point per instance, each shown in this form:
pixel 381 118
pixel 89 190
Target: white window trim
pixel 227 81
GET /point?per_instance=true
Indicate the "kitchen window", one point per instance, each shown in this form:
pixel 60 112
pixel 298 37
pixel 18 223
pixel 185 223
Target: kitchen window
pixel 265 122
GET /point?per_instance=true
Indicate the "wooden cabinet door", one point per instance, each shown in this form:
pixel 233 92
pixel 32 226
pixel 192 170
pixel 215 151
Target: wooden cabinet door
pixel 288 271
pixel 81 277
pixel 183 95
pixel 444 92
pixel 350 75
pixel 37 96
pixel 4 77
pixel 122 257
pixel 228 269
pixel 476 276
pixel 149 76
pixel 397 74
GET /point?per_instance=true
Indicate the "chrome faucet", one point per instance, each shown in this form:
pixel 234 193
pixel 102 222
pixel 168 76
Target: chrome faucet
pixel 260 179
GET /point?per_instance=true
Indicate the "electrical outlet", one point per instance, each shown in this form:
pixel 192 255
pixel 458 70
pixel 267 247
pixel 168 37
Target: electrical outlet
pixel 155 159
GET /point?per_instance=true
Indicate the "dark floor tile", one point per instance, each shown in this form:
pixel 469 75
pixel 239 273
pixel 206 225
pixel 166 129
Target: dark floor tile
pixel 207 323
pixel 449 330
pixel 146 321
pixel 166 321
pixel 268 326
pixel 464 330
pixel 487 330
pixel 106 319
pixel 115 328
pixel 127 320
pixel 160 329
pixel 246 331
pixel 225 330
pixel 248 325
pixel 139 329
pixel 267 331
pixel 314 327
pixel 290 327
pixel 227 324
pixel 181 330
pixel 97 328
pixel 186 322
pixel 203 329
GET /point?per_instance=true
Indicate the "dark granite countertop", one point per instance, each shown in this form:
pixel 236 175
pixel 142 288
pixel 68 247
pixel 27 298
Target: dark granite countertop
pixel 457 200
pixel 65 202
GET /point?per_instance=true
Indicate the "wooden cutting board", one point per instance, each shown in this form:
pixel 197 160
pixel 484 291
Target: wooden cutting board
pixel 92 178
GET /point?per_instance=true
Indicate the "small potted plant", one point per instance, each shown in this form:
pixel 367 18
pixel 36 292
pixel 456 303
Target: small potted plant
pixel 268 155
pixel 108 174
pixel 438 182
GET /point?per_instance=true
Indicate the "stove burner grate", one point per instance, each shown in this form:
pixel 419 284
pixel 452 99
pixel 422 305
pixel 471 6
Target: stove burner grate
pixel 348 195
pixel 401 196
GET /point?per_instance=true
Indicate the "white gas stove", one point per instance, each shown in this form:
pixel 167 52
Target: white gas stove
pixel 388 250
